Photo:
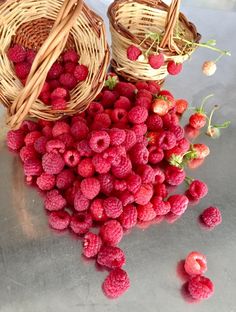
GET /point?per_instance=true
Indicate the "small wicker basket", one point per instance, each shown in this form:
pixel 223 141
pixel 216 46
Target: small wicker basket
pixel 132 20
pixel 50 27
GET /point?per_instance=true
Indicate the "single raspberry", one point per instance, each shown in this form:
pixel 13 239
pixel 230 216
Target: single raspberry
pixel 116 283
pixel 144 93
pixel 156 155
pixel 71 158
pixel 211 217
pixel 200 287
pixel 156 60
pixel 101 121
pixel 52 163
pixel 143 102
pixel 97 210
pixel 46 182
pixel 112 207
pixel 181 106
pixel 81 72
pixel 40 145
pixel 90 187
pixel 70 193
pixel 29 126
pixel 79 130
pixel 139 154
pixel 55 146
pixel 101 165
pixel 108 98
pixel 111 232
pixel 91 245
pixel 58 104
pixel 128 218
pixel 160 190
pixel 123 102
pixel 16 54
pixel 84 148
pixel 134 182
pixel 106 182
pixel 31 137
pixel 123 169
pixel 54 201
pixel 117 136
pixel 99 141
pixel 59 220
pixel 86 168
pixel 138 115
pixel 68 81
pixel 130 139
pixel 60 127
pixel 69 67
pixel 67 139
pixel 160 207
pixel 178 203
pixel 198 189
pixel 140 130
pixel 166 140
pixel 95 108
pixel 147 173
pixel 120 185
pixel 81 223
pixel 59 93
pixel 178 132
pixel 32 167
pixel 154 87
pixel 146 212
pixel 174 68
pixel 30 56
pixel 154 122
pixel 141 85
pixel 45 97
pixel 111 257
pixel 170 120
pixel 174 175
pixel 54 83
pixel 126 89
pixel 65 179
pixel 43 123
pixel 133 53
pixel 81 203
pixel 159 175
pixel 113 154
pixel 126 198
pixel 119 115
pixel 195 263
pixel 184 144
pixel 144 194
pixel 27 152
pixel 55 71
pixel 70 56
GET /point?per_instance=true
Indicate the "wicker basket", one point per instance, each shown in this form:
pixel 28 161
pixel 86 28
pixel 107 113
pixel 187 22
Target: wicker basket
pixel 50 27
pixel 132 20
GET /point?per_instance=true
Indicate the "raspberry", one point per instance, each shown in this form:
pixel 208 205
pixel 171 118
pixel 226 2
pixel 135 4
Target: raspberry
pixel 54 201
pixel 81 223
pixel 166 140
pixel 67 139
pixel 54 83
pixel 45 97
pixel 140 130
pixel 178 132
pixel 60 127
pixel 108 98
pixel 174 175
pixel 119 115
pixel 111 257
pixel 200 287
pixel 128 218
pixel 81 72
pixel 79 130
pixel 68 81
pixel 95 108
pixel 154 122
pixel 81 203
pixel 144 194
pixel 138 115
pixel 147 173
pixel 133 53
pixel 71 158
pixel 84 148
pixel 134 182
pixel 86 168
pixel 113 154
pixel 28 126
pixel 160 190
pixel 184 144
pixel 123 169
pixel 178 203
pixel 170 120
pixel 195 263
pixel 71 56
pixel 101 121
pixel 130 139
pixel 116 283
pixel 30 56
pixel 146 212
pixel 31 137
pixel 99 141
pixel 117 136
pixel 159 175
pixel 211 217
pixel 126 198
pixel 111 232
pixel 160 207
pixel 16 54
pixel 145 94
pixel 198 189
pixel 90 187
pixel 40 145
pixel 155 155
pixel 59 93
pixel 143 102
pixel 156 60
pixel 91 245
pixel 97 210
pixel 55 146
pixel 113 207
pixel 154 87
pixel 139 154
pixel 69 67
pixel 27 152
pixel 141 85
pixel 55 71
pixel 123 102
pixel 65 179
pixel 174 68
pixel 126 89
pixel 32 167
pixel 101 164
pixel 58 104
pixel 59 220
pixel 52 163
pixel 46 182
pixel 106 182
pixel 43 123
pixel 120 185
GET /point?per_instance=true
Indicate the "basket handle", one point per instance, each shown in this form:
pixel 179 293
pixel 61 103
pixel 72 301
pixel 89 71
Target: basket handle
pixel 46 56
pixel 171 20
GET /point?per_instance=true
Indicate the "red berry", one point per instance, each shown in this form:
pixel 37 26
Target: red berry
pixel 71 158
pixel 86 168
pixel 59 220
pixel 27 152
pixel 146 212
pixel 117 136
pixel 55 71
pixel 31 137
pixel 160 190
pixel 126 198
pixel 32 167
pixel 119 115
pixel 106 182
pixel 198 189
pixel 126 89
pixel 200 287
pixel 81 72
pixel 133 53
pixel 112 207
pixel 174 175
pixel 111 257
pixel 195 263
pixel 52 163
pixel 90 187
pixel 97 210
pixel 160 107
pixel 181 106
pixel 144 194
pixel 111 232
pixel 81 223
pixel 138 114
pixel 91 245
pixel 178 203
pixel 16 54
pixel 58 104
pixel 197 120
pixel 79 130
pixel 81 203
pixel 22 70
pixel 54 201
pixel 65 179
pixel 71 56
pixel 95 108
pixel 46 182
pixel 99 141
pixel 156 60
pixel 55 146
pixel 160 207
pixel 30 56
pixel 60 127
pixel 154 122
pixel 69 67
pixel 139 154
pixel 108 98
pixel 174 68
pixel 211 217
pixel 40 145
pixel 130 139
pixel 123 102
pixel 156 155
pixel 128 218
pixel 116 283
pixel 68 81
pixel 59 93
pixel 166 140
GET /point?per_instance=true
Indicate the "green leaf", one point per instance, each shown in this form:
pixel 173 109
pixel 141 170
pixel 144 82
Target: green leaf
pixel 223 125
pixel 111 82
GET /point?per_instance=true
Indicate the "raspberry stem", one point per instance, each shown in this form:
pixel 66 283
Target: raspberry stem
pixel 188 180
pixel 214 130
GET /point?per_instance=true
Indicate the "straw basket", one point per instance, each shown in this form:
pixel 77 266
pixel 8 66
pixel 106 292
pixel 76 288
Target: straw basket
pixel 132 20
pixel 50 27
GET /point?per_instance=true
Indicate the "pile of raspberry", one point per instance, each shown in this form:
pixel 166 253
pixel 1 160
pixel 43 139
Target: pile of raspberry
pixel 62 77
pixel 108 168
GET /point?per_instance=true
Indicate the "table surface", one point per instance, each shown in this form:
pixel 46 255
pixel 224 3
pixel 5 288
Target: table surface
pixel 41 270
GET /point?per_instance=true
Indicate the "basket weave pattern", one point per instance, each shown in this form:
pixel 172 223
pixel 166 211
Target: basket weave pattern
pixel 50 27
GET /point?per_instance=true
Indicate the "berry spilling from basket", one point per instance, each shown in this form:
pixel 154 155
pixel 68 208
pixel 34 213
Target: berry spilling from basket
pixel 62 77
pixel 114 166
